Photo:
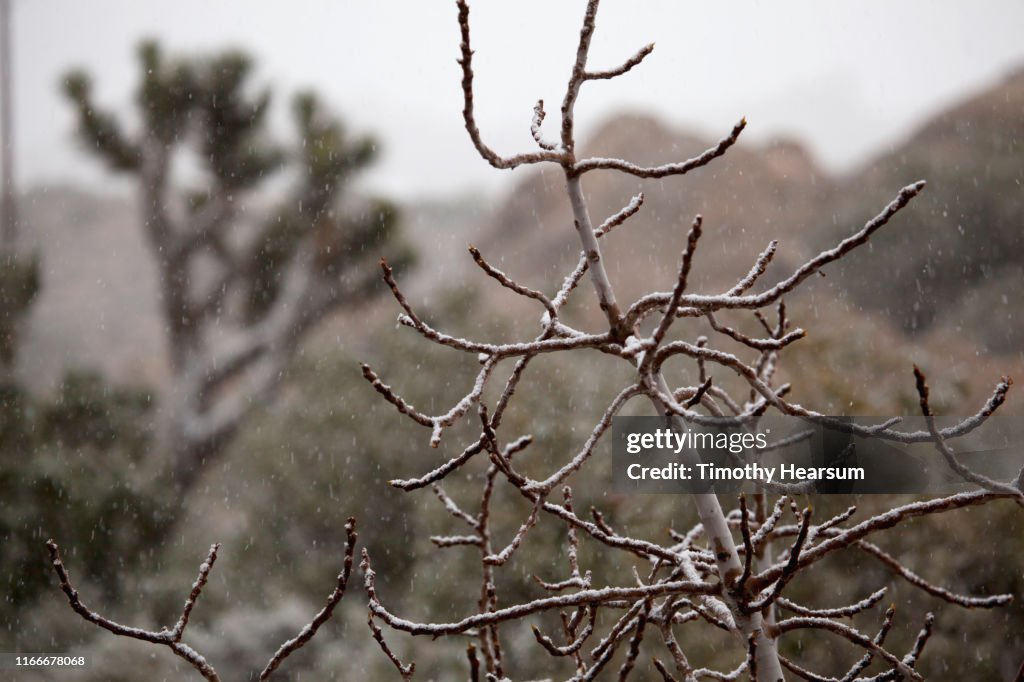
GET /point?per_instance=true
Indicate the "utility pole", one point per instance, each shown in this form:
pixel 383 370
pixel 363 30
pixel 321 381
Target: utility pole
pixel 8 209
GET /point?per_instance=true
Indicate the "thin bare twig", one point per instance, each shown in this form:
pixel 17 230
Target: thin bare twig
pixel 406 671
pixel 722 590
pixel 951 458
pixel 468 114
pixel 309 631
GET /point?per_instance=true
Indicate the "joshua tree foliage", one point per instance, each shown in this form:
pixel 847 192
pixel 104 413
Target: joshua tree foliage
pixel 241 283
pixel 729 572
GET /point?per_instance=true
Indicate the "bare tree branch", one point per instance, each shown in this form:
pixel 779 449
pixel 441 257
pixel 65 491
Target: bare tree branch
pixel 169 638
pixel 951 459
pixel 309 631
pixel 668 169
pixel 688 581
pixel 172 638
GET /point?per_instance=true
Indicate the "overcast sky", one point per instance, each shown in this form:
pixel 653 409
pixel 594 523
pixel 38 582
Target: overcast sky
pixel 849 77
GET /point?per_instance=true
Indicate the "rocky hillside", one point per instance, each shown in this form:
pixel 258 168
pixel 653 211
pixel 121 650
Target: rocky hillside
pixel 957 260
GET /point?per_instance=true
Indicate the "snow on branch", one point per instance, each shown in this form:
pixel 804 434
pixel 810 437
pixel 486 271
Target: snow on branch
pixel 468 114
pixel 169 638
pixel 951 459
pixel 172 638
pixel 309 631
pixel 635 60
pixel 706 574
pixel 667 169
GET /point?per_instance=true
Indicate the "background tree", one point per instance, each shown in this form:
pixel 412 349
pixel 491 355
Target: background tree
pixel 257 284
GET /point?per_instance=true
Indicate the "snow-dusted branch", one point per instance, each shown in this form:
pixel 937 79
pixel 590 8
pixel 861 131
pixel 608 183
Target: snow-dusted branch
pixel 706 574
pixel 758 269
pixel 535 127
pixel 855 637
pixel 169 638
pixel 573 646
pixel 468 114
pixel 668 169
pixel 579 598
pixel 405 670
pixel 507 282
pixel 635 60
pixel 627 212
pixel 838 612
pixel 889 519
pixel 172 638
pixel 951 459
pixel 309 631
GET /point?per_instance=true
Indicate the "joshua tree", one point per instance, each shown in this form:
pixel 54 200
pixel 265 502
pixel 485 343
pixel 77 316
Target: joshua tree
pixel 260 282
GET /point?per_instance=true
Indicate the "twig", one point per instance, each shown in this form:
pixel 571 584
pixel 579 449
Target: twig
pixel 879 639
pixel 951 459
pixel 535 130
pixel 668 169
pixel 839 612
pixel 509 283
pixel 169 638
pixel 468 117
pixel 748 547
pixel 573 646
pixel 627 212
pixel 309 631
pixel 406 671
pixel 790 569
pixel 853 636
pixel 625 67
pixel 752 656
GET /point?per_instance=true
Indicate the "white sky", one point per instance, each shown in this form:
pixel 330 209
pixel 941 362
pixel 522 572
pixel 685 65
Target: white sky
pixel 848 77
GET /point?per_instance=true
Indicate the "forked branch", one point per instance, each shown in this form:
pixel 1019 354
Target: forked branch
pixel 172 638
